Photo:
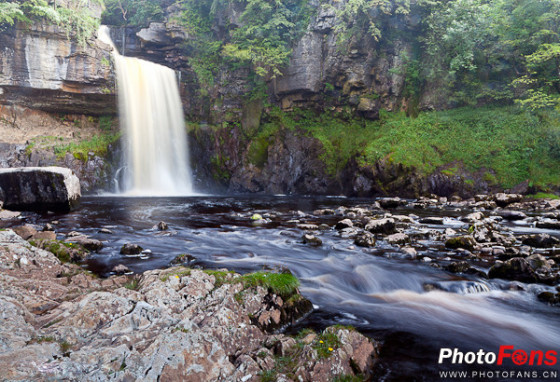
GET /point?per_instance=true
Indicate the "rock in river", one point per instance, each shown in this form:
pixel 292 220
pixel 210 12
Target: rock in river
pixel 39 188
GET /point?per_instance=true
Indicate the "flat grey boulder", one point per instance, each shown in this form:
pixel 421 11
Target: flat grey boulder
pixel 39 188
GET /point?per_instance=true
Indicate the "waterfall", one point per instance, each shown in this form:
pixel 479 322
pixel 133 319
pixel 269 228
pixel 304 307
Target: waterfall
pixel 151 115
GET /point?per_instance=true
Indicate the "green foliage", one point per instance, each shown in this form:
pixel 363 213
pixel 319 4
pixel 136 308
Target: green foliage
pixel 10 13
pixel 497 50
pixel 261 41
pixel 512 144
pixel 75 17
pixel 358 17
pixel 98 145
pixel 138 13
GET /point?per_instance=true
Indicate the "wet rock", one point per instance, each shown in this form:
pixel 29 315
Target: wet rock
pixel 183 258
pixel 39 188
pixel 503 199
pixel 486 205
pixel 162 226
pixel 550 298
pixel 365 239
pixel 256 217
pixel 48 227
pixel 314 241
pixel 397 238
pixel 458 267
pixel 529 270
pixel 25 231
pixel 345 223
pixel 9 215
pixel 308 227
pixel 466 242
pixel 512 215
pixel 548 224
pixel 106 231
pixel 385 226
pixel 120 269
pixel 473 217
pixel 410 252
pixel 542 240
pixel 391 202
pixel 86 242
pixel 131 249
pixel 449 232
pixel 323 212
pixel 45 235
pixel 432 220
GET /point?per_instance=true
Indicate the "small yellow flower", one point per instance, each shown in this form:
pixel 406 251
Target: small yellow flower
pixel 321 342
pixel 177 276
pixel 331 349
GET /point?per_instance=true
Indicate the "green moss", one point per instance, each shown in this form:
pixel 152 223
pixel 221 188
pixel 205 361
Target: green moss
pixel 283 284
pixel 451 171
pixel 543 195
pixel 63 251
pixel 98 145
pixel 219 168
pixel 258 151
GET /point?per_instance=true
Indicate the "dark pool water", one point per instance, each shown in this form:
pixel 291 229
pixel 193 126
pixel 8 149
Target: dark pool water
pixel 383 296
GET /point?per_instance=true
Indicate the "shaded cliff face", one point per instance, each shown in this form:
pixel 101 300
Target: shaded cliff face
pixel 41 69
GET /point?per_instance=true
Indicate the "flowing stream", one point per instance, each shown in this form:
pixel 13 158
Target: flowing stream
pixel 377 290
pixel 152 121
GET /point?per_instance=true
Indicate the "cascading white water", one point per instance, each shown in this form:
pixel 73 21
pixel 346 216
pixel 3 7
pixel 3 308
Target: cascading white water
pixel 151 115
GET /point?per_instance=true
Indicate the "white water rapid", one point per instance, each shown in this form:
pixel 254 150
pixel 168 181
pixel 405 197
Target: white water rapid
pixel 151 115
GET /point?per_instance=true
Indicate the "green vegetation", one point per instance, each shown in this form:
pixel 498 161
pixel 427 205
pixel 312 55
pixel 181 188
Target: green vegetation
pixel 543 195
pixel 178 272
pixel 65 347
pixel 133 284
pixel 283 284
pixel 139 13
pixel 325 344
pixel 74 17
pixel 512 144
pixel 495 50
pixel 97 145
pixel 64 251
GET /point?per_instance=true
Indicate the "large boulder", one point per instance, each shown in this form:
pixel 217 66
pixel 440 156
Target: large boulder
pixel 39 188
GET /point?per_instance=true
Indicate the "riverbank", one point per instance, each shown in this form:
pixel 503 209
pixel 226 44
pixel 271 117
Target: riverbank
pixel 413 275
pixel 62 322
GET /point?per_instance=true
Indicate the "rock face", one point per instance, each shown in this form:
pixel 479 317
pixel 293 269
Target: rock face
pixel 59 322
pixel 41 69
pixel 39 188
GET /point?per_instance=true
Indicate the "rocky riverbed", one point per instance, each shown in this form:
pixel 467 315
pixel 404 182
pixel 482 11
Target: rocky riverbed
pixel 427 273
pixel 61 322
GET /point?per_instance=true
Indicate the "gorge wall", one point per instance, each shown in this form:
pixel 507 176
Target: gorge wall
pixel 40 69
